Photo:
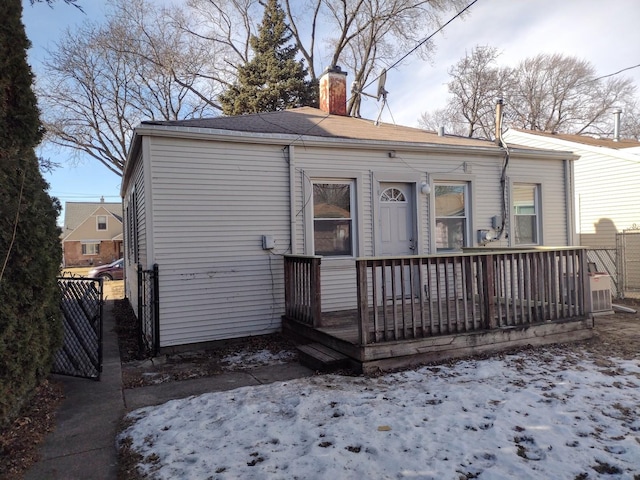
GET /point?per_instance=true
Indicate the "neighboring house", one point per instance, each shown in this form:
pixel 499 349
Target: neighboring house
pixel 607 176
pixel 92 233
pixel 215 203
pixel 607 197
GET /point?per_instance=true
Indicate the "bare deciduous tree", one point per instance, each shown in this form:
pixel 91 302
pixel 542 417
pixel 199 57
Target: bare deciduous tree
pixel 476 82
pixel 101 80
pixel 364 36
pixel 554 93
pixel 448 118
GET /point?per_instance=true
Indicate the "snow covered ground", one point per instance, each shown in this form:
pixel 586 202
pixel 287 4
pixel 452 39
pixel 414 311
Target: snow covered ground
pixel 536 414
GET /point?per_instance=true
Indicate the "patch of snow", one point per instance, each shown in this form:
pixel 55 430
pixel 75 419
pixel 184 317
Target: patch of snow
pixel 527 415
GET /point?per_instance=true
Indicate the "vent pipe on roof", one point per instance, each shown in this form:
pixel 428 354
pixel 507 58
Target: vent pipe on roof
pixel 616 124
pixel 101 199
pixel 441 131
pixel 499 121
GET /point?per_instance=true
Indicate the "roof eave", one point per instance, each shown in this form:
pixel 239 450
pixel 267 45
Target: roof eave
pixel 292 139
pixel 600 149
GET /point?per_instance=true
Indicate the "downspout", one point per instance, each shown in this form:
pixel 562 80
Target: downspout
pixel 570 201
pixel 290 154
pixel 503 175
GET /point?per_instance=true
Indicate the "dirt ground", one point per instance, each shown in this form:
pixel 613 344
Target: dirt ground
pixel 614 336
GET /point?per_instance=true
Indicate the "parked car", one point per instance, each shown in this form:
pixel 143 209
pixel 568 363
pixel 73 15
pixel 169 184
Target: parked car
pixel 112 271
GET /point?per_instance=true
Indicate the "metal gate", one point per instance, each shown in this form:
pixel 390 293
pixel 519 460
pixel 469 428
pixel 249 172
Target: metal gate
pixel 81 305
pixel 628 245
pixel 148 310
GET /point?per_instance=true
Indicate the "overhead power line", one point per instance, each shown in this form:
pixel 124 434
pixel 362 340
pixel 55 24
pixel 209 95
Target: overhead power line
pixel 425 40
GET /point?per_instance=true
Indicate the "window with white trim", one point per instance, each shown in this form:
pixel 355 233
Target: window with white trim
pixel 90 248
pixel 332 218
pixel 452 215
pixel 131 229
pixel 101 221
pixel 526 213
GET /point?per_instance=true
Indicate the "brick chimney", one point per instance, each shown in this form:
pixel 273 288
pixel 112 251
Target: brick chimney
pixel 333 91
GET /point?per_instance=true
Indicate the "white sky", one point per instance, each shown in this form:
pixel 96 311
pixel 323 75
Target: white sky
pixel 606 33
pixel 540 414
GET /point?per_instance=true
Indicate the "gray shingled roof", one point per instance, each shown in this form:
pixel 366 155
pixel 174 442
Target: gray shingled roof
pixel 313 122
pixel 77 212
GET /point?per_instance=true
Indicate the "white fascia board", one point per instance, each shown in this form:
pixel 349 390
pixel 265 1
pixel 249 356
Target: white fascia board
pixel 289 139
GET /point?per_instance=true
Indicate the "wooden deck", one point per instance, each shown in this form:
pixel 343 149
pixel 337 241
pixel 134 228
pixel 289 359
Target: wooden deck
pixel 422 309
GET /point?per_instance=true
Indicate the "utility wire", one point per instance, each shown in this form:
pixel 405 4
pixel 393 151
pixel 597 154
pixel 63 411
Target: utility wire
pixel 609 75
pixel 395 64
pixel 425 40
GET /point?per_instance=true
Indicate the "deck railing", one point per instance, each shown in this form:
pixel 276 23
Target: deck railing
pixel 400 298
pixel 302 289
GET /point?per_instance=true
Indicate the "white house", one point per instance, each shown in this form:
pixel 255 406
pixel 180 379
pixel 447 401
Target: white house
pixel 607 199
pixel 215 203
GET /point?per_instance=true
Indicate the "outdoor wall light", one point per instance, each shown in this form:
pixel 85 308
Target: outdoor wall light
pixel 391 153
pixel 486 236
pixel 425 188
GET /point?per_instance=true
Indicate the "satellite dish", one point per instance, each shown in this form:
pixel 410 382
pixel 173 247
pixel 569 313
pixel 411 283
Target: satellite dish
pixel 382 79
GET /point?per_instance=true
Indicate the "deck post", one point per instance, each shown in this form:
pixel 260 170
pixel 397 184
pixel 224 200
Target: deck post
pixel 363 301
pixel 316 299
pixel 584 294
pixel 489 290
pixel 287 285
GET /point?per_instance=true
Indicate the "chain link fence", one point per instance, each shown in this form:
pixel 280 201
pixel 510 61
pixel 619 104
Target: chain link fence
pixel 621 262
pixel 628 248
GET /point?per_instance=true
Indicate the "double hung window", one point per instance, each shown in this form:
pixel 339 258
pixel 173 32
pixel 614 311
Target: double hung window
pixel 452 215
pixel 332 218
pixel 91 248
pixel 526 213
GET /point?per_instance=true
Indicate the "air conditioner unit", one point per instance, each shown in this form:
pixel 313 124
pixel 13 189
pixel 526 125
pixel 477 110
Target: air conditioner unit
pixel 600 287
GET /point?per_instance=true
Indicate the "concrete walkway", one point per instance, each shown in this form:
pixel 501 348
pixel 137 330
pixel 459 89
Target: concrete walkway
pixel 82 446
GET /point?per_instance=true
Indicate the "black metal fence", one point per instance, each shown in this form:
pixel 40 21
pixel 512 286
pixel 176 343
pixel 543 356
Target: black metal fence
pixel 148 310
pixel 81 305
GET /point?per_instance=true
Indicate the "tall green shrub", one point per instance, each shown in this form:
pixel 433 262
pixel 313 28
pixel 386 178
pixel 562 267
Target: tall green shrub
pixel 30 252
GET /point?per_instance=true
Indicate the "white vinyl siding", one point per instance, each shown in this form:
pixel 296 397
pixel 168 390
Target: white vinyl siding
pixel 135 234
pixel 211 206
pixel 606 188
pixel 205 206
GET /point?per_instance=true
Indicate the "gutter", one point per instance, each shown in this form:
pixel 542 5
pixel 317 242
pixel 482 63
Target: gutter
pixel 304 140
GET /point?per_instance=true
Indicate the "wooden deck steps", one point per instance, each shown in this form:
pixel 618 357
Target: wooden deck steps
pixel 319 357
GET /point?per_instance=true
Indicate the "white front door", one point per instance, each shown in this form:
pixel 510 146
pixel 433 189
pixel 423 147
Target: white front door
pixel 397 233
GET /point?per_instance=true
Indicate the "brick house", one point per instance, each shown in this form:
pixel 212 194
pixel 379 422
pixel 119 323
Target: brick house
pixel 92 233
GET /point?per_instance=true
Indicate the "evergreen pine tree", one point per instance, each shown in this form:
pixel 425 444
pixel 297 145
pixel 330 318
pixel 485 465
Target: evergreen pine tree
pixel 273 80
pixel 30 251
